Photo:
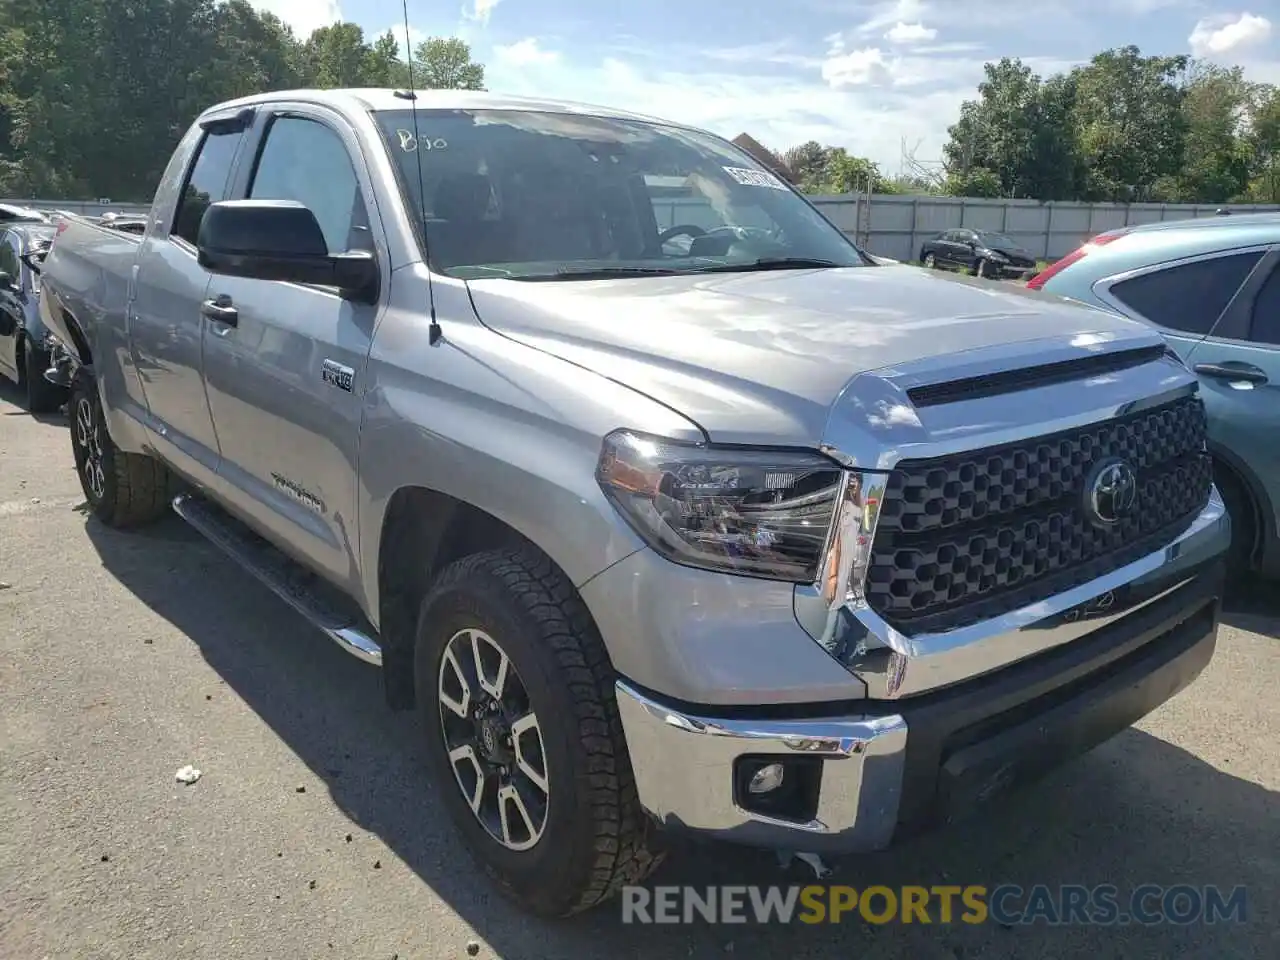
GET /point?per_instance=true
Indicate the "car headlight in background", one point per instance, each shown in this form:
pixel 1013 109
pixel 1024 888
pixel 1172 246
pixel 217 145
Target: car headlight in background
pixel 756 512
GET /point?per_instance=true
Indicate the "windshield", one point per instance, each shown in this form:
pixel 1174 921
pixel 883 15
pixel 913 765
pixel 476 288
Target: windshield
pixel 997 240
pixel 532 195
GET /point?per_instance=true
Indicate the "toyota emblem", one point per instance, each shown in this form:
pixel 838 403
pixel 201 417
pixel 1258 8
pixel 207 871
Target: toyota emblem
pixel 1111 491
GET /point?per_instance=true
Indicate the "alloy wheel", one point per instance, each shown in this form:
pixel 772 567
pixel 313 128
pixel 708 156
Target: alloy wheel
pixel 89 438
pixel 493 739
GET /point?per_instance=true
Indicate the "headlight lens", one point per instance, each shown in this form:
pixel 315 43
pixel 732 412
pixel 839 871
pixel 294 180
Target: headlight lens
pixel 757 512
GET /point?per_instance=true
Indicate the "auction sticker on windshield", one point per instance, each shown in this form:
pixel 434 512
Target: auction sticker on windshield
pixel 755 178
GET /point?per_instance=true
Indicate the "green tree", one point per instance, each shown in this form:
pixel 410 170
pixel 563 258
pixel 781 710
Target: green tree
pixel 822 169
pixel 444 63
pixel 808 162
pixel 1129 122
pixel 973 182
pixel 1262 141
pixel 94 94
pixel 1215 166
pixel 337 56
pixel 1016 130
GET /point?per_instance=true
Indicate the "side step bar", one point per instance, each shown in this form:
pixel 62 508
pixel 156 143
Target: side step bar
pixel 329 610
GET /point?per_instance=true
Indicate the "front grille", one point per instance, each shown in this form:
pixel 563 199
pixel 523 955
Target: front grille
pixel 973 535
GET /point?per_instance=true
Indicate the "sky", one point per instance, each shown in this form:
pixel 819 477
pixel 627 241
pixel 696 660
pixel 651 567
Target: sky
pixel 882 78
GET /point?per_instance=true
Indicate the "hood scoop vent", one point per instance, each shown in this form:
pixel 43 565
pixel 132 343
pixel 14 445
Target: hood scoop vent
pixel 1027 378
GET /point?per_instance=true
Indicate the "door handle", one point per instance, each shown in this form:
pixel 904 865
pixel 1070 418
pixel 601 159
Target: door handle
pixel 1238 372
pixel 220 310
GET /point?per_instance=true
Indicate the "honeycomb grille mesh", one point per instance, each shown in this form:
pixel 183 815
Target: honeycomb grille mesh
pixel 971 536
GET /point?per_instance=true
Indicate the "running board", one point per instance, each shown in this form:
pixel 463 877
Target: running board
pixel 325 606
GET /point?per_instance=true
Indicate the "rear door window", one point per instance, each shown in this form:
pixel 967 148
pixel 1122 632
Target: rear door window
pixel 1188 296
pixel 1264 326
pixel 207 182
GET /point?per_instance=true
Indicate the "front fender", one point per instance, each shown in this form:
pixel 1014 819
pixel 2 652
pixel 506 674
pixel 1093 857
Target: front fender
pixel 498 425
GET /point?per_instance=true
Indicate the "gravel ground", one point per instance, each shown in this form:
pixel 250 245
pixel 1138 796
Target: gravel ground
pixel 313 831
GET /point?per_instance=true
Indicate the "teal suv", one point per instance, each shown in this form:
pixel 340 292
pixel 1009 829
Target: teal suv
pixel 1212 286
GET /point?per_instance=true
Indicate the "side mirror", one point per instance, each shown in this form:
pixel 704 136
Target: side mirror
pixel 281 240
pixel 33 261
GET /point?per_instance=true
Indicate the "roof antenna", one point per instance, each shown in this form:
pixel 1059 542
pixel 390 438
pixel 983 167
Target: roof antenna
pixel 434 333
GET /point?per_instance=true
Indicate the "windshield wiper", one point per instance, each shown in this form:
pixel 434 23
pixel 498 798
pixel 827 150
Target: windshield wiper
pixel 772 263
pixel 600 273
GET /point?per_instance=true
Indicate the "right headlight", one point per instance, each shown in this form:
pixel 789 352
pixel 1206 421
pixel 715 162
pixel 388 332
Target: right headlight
pixel 761 513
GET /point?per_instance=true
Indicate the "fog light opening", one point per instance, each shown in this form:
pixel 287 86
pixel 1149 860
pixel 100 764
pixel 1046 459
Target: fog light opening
pixel 767 779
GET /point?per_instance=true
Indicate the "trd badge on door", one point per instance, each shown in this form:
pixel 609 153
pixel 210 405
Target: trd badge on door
pixel 337 375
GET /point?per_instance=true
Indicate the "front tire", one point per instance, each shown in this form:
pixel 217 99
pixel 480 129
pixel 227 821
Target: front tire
pixel 541 789
pixel 123 489
pixel 930 262
pixel 981 269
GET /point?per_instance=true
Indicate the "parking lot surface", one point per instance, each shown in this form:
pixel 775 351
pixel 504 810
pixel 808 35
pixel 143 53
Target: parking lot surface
pixel 315 832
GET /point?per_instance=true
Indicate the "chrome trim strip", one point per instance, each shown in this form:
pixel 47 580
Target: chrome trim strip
pixel 684 768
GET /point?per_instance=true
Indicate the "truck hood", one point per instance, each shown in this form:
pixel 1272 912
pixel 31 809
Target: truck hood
pixel 762 357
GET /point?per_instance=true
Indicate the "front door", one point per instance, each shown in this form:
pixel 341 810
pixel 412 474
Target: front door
pixel 285 381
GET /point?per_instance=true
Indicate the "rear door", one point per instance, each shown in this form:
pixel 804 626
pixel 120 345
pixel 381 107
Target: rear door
pixel 166 291
pixel 286 381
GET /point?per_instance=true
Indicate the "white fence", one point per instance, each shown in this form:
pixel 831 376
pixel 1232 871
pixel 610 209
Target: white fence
pixel 896 226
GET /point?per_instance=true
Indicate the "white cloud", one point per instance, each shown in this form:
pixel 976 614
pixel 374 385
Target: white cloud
pixel 778 110
pixel 479 10
pixel 524 53
pixel 910 33
pixel 856 68
pixel 303 15
pixel 888 14
pixel 1214 36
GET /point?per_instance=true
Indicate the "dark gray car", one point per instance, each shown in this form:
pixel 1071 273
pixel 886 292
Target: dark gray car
pixel 25 343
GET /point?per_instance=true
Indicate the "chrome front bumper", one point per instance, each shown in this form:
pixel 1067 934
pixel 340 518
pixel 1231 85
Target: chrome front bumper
pixel 968 740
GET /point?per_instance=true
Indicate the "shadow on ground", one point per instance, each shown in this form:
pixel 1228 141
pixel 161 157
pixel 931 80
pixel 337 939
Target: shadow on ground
pixel 1136 810
pixel 10 392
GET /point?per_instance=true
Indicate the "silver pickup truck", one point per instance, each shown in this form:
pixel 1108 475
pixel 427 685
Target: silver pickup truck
pixel 668 507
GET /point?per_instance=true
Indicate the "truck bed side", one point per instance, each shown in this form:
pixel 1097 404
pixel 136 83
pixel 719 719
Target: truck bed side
pixel 84 300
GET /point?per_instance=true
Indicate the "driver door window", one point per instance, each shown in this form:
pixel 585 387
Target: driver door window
pixel 306 161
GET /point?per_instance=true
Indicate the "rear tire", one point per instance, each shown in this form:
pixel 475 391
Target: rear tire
pixel 42 396
pixel 587 835
pixel 123 489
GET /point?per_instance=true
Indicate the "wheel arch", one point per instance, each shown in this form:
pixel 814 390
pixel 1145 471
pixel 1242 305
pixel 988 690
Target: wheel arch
pixel 1259 501
pixel 422 532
